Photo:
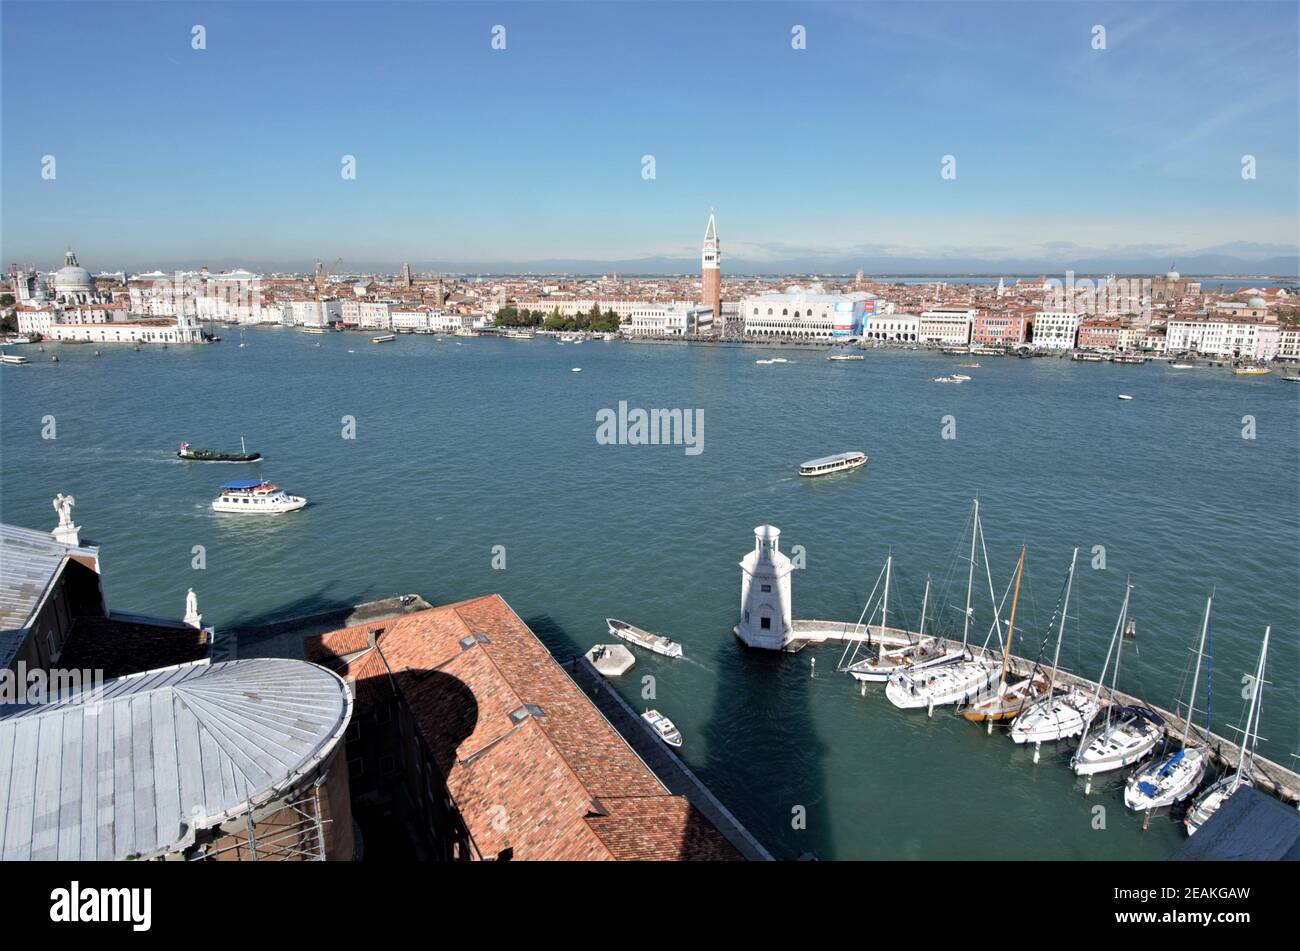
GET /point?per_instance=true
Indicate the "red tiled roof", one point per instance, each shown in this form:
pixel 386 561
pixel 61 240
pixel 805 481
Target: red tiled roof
pixel 559 785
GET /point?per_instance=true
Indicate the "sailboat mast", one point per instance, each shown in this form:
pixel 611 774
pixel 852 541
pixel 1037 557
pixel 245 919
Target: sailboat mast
pixel 925 600
pixel 970 576
pixel 1060 630
pixel 1011 625
pixel 1196 678
pixel 1252 718
pixel 1116 638
pixel 884 611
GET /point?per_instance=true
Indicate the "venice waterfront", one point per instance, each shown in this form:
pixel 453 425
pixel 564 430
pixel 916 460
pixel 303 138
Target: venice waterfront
pixel 463 445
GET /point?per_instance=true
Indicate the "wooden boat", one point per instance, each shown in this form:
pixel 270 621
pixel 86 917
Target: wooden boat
pixel 1009 699
pixel 635 635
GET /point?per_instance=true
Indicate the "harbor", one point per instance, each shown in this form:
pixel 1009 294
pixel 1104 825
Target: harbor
pixel 763 734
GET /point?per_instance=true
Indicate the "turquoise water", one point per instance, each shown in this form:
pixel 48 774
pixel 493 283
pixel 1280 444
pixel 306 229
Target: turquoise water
pixel 463 445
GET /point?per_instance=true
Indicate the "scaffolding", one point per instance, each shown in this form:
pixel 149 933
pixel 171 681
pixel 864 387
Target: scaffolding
pixel 293 832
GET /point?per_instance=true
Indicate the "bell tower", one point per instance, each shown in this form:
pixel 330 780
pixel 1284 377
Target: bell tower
pixel 711 273
pixel 765 593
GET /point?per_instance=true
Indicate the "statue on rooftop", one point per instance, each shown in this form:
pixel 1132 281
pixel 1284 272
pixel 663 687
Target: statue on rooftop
pixel 63 505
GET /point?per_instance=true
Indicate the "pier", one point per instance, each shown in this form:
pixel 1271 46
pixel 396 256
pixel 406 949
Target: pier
pixel 661 760
pixel 1269 776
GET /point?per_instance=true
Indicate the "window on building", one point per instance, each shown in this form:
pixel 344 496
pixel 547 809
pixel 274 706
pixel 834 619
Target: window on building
pixel 766 588
pixel 765 623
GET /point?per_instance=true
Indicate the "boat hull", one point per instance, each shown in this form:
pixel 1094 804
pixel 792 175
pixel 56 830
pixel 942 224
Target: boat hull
pixel 950 684
pixel 1209 802
pixel 872 671
pixel 1007 705
pixel 651 642
pixel 292 504
pixel 1120 746
pixel 1057 718
pixel 1147 789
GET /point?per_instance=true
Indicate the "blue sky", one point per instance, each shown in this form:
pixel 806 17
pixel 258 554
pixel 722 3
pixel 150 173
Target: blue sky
pixel 465 154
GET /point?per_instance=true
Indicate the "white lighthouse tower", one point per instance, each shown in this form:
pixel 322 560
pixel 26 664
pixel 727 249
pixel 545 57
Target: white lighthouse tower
pixel 765 593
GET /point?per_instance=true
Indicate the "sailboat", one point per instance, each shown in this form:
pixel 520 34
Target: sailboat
pixel 1059 716
pixel 918 655
pixel 1174 777
pixel 1007 701
pixel 1128 733
pixel 1208 802
pixel 969 676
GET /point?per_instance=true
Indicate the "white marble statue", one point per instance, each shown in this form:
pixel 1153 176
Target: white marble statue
pixel 63 505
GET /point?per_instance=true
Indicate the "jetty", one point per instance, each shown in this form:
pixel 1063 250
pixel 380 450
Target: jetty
pixel 1271 777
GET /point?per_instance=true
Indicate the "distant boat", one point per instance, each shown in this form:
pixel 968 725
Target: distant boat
pixel 827 465
pixel 1182 366
pixel 651 642
pixel 971 366
pixel 576 370
pixel 12 359
pixel 1251 371
pixel 384 338
pixel 663 727
pixel 212 455
pixel 1125 396
pixel 1290 379
pixel 255 497
pixel 846 356
pixel 960 377
pixel 313 330
pixel 950 379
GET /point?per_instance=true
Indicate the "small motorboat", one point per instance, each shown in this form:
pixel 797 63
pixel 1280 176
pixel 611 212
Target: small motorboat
pixel 663 727
pixel 948 379
pixel 635 635
pixel 1182 366
pixel 960 377
pixel 846 356
pixel 576 370
pixel 1125 396
pixel 971 366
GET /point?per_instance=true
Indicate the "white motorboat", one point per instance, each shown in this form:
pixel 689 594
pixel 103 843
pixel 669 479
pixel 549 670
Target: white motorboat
pixel 827 465
pixel 1208 803
pixel 635 635
pixel 946 379
pixel 663 727
pixel 1182 366
pixel 961 377
pixel 255 497
pixel 1125 396
pixel 846 356
pixel 1175 776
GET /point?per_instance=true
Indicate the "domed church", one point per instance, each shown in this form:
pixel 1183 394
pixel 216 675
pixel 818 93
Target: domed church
pixel 73 284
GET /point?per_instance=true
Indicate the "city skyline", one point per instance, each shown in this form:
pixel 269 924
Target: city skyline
pixel 531 158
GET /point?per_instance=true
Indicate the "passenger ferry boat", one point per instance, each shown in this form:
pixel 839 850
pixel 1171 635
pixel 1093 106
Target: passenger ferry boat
pixel 663 727
pixel 12 359
pixel 841 462
pixel 255 497
pixel 1251 371
pixel 313 330
pixel 651 642
pixel 384 338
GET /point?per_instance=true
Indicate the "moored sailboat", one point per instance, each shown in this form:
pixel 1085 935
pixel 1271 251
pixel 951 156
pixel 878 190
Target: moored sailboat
pixel 1175 776
pixel 918 655
pixel 1208 802
pixel 1008 700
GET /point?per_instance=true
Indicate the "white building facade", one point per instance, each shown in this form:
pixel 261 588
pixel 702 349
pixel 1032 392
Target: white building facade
pixel 809 314
pixel 1232 337
pixel 946 326
pixel 1056 330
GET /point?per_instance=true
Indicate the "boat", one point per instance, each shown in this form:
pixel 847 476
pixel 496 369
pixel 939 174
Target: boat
pixel 1087 357
pixel 915 656
pixel 467 333
pixel 1059 716
pixel 827 465
pixel 187 451
pixel 1006 702
pixel 1129 733
pixel 1182 366
pixel 1174 776
pixel 1208 802
pixel 255 497
pixel 635 635
pixel 971 366
pixel 576 370
pixel 1130 358
pixel 960 377
pixel 1125 396
pixel 663 727
pixel 949 379
pixel 846 356
pixel 384 338
pixel 1251 371
pixel 1290 379
pixel 12 359
pixel 313 330
pixel 968 677
pixel 517 334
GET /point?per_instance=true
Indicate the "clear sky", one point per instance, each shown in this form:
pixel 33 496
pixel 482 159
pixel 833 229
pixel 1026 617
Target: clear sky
pixel 170 155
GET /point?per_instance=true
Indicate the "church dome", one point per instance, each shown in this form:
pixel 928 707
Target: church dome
pixel 72 278
pixel 1258 302
pixel 1173 274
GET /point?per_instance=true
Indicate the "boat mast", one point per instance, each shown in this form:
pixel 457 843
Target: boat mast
pixel 925 600
pixel 884 611
pixel 1011 624
pixel 1060 630
pixel 1116 638
pixel 970 576
pixel 1196 677
pixel 1253 715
